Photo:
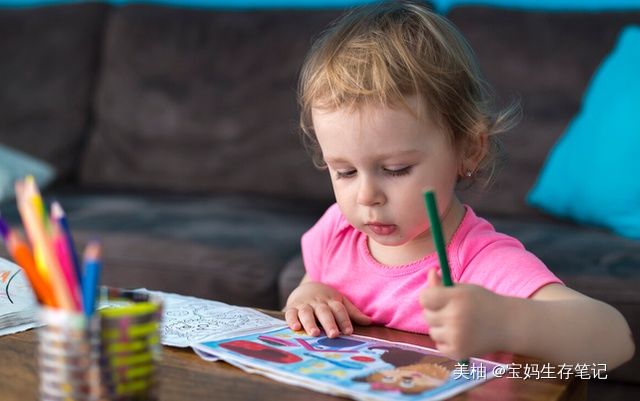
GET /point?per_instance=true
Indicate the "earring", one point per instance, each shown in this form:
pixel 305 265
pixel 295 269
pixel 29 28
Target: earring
pixel 469 173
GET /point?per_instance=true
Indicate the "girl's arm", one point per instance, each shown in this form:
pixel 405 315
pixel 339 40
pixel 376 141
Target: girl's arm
pixel 556 324
pixel 561 325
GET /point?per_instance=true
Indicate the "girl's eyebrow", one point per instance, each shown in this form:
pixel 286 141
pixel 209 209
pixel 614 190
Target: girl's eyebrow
pixel 382 156
pixel 389 155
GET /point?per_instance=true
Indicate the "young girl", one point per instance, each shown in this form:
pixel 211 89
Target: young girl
pixel 393 102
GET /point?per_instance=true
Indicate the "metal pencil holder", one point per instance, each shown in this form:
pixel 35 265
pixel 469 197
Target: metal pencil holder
pixel 111 356
pixel 68 355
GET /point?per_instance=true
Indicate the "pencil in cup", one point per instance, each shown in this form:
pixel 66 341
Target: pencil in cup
pixel 438 241
pixel 47 264
pixel 91 277
pixel 21 254
pixel 60 217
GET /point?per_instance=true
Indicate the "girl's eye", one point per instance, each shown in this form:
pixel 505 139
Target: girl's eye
pixel 397 172
pixel 345 174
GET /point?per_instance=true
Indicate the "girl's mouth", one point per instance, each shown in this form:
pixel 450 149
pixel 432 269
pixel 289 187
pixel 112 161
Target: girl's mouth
pixel 382 229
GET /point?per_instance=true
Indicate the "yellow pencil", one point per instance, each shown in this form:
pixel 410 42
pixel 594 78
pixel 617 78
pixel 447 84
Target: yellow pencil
pixel 44 255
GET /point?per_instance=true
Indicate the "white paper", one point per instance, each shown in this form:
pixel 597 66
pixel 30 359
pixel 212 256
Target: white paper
pixel 188 320
pixel 18 306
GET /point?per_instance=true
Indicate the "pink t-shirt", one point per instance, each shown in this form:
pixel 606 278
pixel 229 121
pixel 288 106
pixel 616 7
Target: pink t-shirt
pixel 337 254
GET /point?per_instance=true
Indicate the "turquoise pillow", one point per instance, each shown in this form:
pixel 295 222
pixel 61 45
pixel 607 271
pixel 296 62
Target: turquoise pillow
pixel 15 165
pixel 592 174
pixel 549 5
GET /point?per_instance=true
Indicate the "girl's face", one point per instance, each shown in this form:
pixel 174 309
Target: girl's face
pixel 380 161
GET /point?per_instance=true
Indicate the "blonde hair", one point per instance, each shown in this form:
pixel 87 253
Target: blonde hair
pixel 385 52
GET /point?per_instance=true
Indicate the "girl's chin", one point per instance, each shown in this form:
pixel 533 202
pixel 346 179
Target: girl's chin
pixel 386 240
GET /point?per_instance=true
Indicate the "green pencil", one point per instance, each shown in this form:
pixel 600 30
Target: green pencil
pixel 438 238
pixel 438 241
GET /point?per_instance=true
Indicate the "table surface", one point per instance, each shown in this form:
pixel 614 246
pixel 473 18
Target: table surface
pixel 184 376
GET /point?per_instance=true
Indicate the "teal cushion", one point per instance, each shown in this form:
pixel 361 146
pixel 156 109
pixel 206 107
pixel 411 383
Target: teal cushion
pixel 591 175
pixel 16 165
pixel 543 5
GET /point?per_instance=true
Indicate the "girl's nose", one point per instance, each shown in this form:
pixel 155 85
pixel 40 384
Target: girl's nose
pixel 369 193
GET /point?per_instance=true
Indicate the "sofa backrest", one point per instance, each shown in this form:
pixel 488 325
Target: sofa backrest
pixel 545 59
pixel 47 74
pixel 196 100
pixel 193 100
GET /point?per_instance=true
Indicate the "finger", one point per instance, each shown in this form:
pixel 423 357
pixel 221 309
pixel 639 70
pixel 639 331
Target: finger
pixel 291 317
pixel 439 335
pixel 433 319
pixel 342 317
pixel 433 279
pixel 434 298
pixel 326 319
pixel 443 339
pixel 308 320
pixel 443 347
pixel 355 314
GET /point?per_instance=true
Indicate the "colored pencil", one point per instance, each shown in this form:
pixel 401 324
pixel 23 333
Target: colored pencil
pixel 438 238
pixel 44 255
pixel 21 254
pixel 4 228
pixel 91 277
pixel 66 265
pixel 58 214
pixel 438 241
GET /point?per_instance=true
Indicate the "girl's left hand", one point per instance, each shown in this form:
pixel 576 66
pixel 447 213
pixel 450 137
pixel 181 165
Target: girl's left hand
pixel 464 320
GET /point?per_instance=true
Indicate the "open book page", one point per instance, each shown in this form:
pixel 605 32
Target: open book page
pixel 187 320
pixel 354 366
pixel 18 306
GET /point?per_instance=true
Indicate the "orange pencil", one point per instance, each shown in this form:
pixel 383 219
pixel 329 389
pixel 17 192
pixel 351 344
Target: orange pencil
pixel 21 254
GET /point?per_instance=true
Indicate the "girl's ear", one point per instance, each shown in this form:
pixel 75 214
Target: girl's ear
pixel 473 154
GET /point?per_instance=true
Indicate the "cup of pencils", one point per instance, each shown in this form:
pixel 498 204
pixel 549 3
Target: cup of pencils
pixel 83 355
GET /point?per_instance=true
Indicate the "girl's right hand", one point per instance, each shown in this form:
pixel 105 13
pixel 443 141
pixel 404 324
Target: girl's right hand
pixel 311 301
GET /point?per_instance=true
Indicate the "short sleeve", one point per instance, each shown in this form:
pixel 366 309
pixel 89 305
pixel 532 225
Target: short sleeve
pixel 317 241
pixel 505 267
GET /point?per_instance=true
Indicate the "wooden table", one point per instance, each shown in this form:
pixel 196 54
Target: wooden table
pixel 184 376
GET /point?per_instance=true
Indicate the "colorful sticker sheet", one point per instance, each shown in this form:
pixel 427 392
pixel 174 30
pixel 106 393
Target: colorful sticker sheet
pixel 358 367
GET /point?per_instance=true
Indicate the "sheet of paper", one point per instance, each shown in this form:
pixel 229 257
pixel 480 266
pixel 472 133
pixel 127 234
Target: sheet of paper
pixel 187 320
pixel 18 306
pixel 358 367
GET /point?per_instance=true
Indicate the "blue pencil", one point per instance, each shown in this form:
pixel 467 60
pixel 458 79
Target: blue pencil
pixel 91 277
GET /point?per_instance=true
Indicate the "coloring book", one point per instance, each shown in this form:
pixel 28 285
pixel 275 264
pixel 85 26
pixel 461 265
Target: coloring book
pixel 358 367
pixel 18 306
pixel 187 320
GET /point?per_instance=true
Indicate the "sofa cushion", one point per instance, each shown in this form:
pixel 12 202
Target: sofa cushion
pixel 546 60
pixel 290 278
pixel 47 74
pixel 203 101
pixel 230 249
pixel 15 165
pixel 586 177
